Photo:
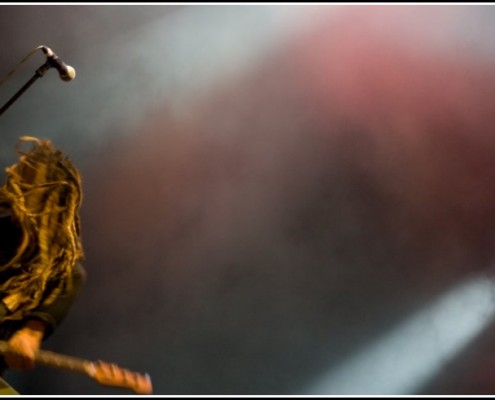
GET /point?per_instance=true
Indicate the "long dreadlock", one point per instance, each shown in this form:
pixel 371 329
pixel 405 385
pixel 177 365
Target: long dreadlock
pixel 43 191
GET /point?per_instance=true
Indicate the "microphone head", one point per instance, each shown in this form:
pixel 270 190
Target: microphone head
pixel 69 74
pixel 66 72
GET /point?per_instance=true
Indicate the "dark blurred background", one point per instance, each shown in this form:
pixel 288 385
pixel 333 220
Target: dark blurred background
pixel 278 199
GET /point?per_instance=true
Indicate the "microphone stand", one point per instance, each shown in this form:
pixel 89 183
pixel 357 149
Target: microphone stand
pixel 38 74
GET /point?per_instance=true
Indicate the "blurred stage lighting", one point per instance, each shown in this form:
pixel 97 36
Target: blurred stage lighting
pixel 402 361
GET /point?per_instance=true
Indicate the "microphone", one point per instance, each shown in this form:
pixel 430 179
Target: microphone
pixel 66 72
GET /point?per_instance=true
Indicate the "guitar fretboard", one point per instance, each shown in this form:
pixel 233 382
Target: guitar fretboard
pixel 50 359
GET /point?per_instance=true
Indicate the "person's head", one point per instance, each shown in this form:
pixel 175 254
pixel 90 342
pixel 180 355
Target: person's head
pixel 43 192
pixel 44 175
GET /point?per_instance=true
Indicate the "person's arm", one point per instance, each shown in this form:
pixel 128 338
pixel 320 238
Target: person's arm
pixel 24 344
pixel 40 323
pixel 53 314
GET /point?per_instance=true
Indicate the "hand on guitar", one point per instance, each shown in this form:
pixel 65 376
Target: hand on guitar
pixel 23 345
pixel 112 375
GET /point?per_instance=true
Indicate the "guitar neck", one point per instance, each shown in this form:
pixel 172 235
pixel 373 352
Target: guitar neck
pixel 104 373
pixel 47 358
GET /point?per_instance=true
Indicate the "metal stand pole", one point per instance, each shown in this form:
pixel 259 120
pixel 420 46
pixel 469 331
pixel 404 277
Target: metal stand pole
pixel 38 74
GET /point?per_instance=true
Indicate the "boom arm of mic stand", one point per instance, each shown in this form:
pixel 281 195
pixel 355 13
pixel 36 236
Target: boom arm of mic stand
pixel 38 74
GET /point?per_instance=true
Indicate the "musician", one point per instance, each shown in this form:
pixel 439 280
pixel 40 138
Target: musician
pixel 41 274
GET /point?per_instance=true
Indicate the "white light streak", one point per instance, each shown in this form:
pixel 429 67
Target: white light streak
pixel 403 360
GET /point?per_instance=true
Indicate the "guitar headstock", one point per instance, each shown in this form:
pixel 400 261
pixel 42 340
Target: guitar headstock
pixel 112 375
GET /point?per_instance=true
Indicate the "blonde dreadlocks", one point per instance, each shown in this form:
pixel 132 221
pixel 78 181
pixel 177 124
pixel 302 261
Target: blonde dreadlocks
pixel 43 192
